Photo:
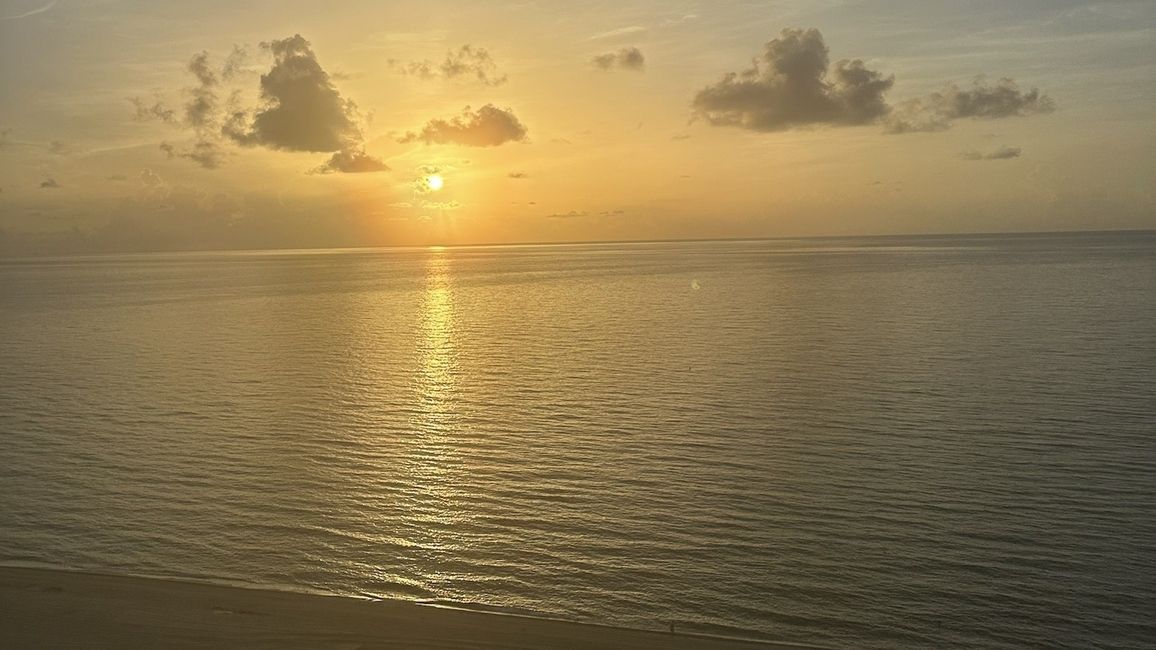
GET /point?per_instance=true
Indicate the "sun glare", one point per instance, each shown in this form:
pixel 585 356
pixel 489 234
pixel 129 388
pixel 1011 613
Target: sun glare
pixel 434 182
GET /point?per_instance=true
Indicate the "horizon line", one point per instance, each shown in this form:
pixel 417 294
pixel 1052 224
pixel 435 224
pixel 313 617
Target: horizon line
pixel 592 242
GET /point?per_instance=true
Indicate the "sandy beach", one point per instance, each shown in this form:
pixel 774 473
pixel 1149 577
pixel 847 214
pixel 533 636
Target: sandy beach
pixel 63 609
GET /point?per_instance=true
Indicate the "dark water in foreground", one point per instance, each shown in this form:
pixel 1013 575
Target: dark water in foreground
pixel 900 442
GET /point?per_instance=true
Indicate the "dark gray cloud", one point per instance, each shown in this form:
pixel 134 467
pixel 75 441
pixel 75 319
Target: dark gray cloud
pixel 489 126
pixel 1003 153
pixel 791 85
pixel 465 62
pixel 627 58
pixel 351 161
pixel 49 184
pixel 982 100
pixel 302 109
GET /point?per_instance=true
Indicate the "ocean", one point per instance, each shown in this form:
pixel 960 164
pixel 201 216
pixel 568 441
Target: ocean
pixel 890 442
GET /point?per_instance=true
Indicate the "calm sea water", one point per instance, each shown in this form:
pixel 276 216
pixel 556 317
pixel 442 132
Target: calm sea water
pixel 895 442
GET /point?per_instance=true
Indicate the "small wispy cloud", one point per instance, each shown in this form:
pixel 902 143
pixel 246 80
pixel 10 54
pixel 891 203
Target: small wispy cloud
pixel 627 58
pixel 49 184
pixel 465 62
pixel 578 214
pixel 33 12
pixel 573 214
pixel 617 33
pixel 1003 153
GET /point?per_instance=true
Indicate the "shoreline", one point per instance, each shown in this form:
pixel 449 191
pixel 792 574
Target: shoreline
pixel 58 608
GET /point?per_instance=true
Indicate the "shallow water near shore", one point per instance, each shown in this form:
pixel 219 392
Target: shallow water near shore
pixel 876 442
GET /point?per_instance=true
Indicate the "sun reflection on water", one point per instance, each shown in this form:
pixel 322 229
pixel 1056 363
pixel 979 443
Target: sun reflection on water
pixel 437 351
pixel 433 458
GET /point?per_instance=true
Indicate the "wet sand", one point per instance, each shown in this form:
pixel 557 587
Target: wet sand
pixel 42 608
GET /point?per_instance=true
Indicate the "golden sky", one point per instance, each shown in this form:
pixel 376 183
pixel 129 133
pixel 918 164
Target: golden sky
pixel 129 125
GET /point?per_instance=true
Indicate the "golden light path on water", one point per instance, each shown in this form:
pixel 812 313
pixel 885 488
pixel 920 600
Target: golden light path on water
pixel 438 361
pixel 433 457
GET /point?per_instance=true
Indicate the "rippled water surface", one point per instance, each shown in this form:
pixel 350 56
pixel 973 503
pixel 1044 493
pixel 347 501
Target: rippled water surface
pixel 896 442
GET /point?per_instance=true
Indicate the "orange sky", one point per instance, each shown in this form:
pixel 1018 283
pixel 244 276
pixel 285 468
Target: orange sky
pixel 158 126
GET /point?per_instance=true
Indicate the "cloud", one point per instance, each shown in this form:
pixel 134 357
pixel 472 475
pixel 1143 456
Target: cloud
pixel 205 152
pixel 440 205
pixel 466 61
pixel 489 126
pixel 1003 153
pixel 579 214
pixel 150 178
pixel 627 58
pixel 117 178
pixel 32 12
pixel 425 204
pixel 235 62
pixel 936 111
pixel 49 184
pixel 517 175
pixel 351 161
pixel 154 111
pixel 201 113
pixel 791 85
pixel 302 110
pixel 573 214
pixel 621 31
pixel 201 108
pixel 5 141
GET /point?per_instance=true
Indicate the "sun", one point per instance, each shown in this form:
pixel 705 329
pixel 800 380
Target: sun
pixel 434 182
